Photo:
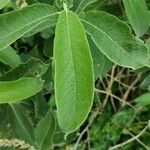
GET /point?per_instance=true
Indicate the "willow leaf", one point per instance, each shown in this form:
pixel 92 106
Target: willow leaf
pixel 3 3
pixel 138 15
pixel 21 123
pixel 9 56
pixel 19 22
pixel 23 88
pixel 114 39
pixel 73 72
pixel 44 131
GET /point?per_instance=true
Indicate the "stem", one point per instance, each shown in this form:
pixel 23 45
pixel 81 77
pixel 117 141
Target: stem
pixel 130 140
pixel 65 6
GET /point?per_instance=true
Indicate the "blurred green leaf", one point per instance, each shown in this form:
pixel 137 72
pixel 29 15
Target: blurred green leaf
pixel 10 57
pixel 3 3
pixel 143 99
pixel 12 91
pixel 44 131
pixel 138 15
pixel 148 45
pixel 101 63
pixel 146 83
pixel 21 124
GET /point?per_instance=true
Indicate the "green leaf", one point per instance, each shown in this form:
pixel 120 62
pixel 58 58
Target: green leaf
pixel 19 22
pixel 44 131
pixel 146 83
pixel 114 39
pixel 73 72
pixel 138 15
pixel 101 63
pixel 3 3
pixel 21 125
pixel 41 27
pixel 9 57
pixel 31 68
pixel 148 45
pixel 143 99
pixel 80 5
pixel 19 89
pixel 48 47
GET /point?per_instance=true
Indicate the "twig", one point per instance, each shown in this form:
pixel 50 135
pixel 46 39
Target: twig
pixel 116 97
pixel 125 96
pixel 110 83
pixel 123 84
pixel 139 141
pixel 130 140
pixel 87 127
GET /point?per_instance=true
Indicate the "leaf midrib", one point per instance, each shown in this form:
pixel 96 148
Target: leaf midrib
pixel 73 65
pixel 90 2
pixel 79 6
pixel 29 24
pixel 128 55
pixel 22 125
pixel 47 130
pixel 106 35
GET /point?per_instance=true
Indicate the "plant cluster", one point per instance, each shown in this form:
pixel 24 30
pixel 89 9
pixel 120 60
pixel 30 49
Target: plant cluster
pixel 74 74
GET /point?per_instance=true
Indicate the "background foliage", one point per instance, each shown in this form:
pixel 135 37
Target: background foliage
pixel 118 38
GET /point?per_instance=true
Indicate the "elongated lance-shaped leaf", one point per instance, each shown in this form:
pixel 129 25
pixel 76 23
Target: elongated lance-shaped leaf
pixel 138 15
pixel 15 24
pixel 21 123
pixel 3 3
pixel 143 99
pixel 148 45
pixel 23 88
pixel 10 57
pixel 146 83
pixel 114 39
pixel 101 63
pixel 73 72
pixel 45 130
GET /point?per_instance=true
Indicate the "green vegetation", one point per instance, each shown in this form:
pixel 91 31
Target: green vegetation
pixel 74 75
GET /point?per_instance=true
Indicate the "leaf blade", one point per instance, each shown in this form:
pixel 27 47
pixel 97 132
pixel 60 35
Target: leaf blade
pixel 45 130
pixel 21 124
pixel 19 22
pixel 143 99
pixel 3 3
pixel 25 87
pixel 9 57
pixel 73 71
pixel 139 20
pixel 106 31
pixel 101 63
